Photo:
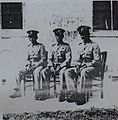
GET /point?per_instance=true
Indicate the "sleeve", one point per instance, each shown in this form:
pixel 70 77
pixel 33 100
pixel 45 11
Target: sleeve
pixel 28 53
pixel 79 56
pixel 42 54
pixel 50 55
pixel 78 60
pixel 96 54
pixel 28 56
pixel 27 59
pixel 27 50
pixel 68 57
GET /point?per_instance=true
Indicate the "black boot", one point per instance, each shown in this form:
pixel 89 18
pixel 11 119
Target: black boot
pixel 44 95
pixel 62 96
pixel 71 96
pixel 16 94
pixel 37 94
pixel 81 99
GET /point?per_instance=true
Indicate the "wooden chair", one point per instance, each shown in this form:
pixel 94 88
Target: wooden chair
pixel 29 77
pixel 97 81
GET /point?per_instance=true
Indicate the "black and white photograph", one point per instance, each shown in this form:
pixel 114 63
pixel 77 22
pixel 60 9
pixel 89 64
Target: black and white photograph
pixel 58 59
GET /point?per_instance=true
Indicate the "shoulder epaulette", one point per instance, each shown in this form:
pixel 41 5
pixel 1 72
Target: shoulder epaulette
pixel 80 43
pixel 66 44
pixel 53 44
pixel 29 45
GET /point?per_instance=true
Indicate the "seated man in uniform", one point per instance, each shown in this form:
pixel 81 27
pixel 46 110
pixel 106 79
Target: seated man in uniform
pixel 59 60
pixel 36 61
pixel 88 63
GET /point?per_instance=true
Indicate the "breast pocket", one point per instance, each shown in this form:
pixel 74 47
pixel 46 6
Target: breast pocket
pixel 89 54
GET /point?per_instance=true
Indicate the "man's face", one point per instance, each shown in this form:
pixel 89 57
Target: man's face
pixel 84 37
pixel 32 40
pixel 59 37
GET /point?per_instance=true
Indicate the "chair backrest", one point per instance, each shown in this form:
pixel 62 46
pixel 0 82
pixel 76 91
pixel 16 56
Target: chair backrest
pixel 103 60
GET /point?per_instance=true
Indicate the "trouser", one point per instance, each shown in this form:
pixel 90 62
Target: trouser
pixel 85 76
pixel 71 77
pixel 36 74
pixel 47 73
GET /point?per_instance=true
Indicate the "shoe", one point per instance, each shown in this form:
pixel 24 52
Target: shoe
pixel 44 96
pixel 37 94
pixel 17 89
pixel 41 95
pixel 62 97
pixel 16 94
pixel 80 99
pixel 71 96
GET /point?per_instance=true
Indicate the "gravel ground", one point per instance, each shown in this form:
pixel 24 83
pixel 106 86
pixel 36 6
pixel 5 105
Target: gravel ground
pixel 86 114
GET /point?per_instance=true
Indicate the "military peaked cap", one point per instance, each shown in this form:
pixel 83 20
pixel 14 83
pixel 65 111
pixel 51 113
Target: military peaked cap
pixel 83 29
pixel 58 31
pixel 32 33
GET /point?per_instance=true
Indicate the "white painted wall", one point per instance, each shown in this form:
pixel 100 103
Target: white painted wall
pixel 45 15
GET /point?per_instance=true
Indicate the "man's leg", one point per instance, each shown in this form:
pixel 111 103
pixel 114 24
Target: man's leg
pixel 19 78
pixel 44 93
pixel 36 74
pixel 70 76
pixel 86 80
pixel 62 79
pixel 45 77
pixel 62 87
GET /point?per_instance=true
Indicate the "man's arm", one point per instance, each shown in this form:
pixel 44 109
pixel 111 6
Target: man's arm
pixel 68 57
pixel 28 62
pixel 51 56
pixel 78 61
pixel 42 55
pixel 96 56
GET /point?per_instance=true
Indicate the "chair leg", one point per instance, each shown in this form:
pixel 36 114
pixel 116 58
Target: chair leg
pixel 33 83
pixel 87 95
pixel 88 91
pixel 91 93
pixel 102 89
pixel 24 88
pixel 55 85
pixel 101 93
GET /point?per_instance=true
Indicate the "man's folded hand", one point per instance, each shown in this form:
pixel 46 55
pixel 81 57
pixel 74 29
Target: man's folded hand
pixel 88 64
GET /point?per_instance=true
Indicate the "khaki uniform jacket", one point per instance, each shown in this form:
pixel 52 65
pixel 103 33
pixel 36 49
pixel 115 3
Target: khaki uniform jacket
pixel 60 54
pixel 37 54
pixel 89 53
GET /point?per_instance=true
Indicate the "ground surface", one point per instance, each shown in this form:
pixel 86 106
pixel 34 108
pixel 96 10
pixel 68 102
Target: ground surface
pixel 29 104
